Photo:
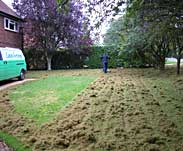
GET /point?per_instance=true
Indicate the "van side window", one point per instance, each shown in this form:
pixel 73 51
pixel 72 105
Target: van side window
pixel 1 58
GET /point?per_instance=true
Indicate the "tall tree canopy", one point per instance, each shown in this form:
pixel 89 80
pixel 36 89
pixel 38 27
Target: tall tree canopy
pixel 50 27
pixel 153 29
pixel 115 34
pixel 162 21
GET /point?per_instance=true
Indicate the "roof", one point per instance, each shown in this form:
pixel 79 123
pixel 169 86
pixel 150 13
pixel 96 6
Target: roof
pixel 6 10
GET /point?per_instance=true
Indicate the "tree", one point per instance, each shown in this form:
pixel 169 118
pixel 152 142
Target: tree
pixel 160 22
pixel 98 10
pixel 131 39
pixel 166 17
pixel 115 33
pixel 177 47
pixel 51 27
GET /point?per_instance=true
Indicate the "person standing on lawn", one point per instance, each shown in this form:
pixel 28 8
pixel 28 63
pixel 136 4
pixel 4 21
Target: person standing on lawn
pixel 105 59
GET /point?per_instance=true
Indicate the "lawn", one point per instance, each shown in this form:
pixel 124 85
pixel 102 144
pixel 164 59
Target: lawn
pixel 170 63
pixel 13 142
pixel 42 99
pixel 126 109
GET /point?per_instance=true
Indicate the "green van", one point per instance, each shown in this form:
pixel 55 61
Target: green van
pixel 12 64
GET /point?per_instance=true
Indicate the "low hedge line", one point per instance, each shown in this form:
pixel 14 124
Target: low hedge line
pixel 36 60
pixel 91 59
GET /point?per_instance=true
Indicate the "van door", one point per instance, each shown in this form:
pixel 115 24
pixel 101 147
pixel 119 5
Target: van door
pixel 6 66
pixel 13 62
pixel 11 68
pixel 2 76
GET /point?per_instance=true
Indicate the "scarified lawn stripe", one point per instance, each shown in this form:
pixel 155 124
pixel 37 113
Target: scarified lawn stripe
pixel 120 111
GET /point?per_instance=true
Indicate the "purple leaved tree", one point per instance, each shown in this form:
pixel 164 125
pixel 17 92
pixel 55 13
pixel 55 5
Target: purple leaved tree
pixel 49 26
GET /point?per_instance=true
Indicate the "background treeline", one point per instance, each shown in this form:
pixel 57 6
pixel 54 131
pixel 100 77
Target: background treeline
pixel 68 59
pixel 148 32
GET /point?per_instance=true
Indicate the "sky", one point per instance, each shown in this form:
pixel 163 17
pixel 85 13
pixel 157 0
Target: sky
pixel 8 2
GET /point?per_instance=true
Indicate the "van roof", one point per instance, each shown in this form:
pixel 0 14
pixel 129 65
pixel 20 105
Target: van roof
pixel 11 54
pixel 6 48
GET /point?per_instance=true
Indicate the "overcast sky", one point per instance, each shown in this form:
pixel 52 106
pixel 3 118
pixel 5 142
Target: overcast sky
pixel 8 2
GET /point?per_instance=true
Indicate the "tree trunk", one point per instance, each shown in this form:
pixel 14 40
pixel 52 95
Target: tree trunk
pixel 162 64
pixel 178 65
pixel 49 58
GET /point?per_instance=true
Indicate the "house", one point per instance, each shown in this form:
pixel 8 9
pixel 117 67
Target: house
pixel 11 34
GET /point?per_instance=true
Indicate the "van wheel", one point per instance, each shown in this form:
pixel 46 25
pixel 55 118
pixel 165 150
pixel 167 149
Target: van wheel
pixel 22 75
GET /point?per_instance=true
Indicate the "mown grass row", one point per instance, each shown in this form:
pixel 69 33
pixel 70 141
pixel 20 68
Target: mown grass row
pixel 12 142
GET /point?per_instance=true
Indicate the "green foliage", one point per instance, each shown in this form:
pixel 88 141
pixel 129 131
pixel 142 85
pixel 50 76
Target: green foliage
pixel 114 34
pixel 36 60
pixel 132 59
pixel 13 142
pixel 67 59
pixel 171 62
pixel 94 61
pixel 129 40
pixel 42 99
pixel 148 32
pixel 161 22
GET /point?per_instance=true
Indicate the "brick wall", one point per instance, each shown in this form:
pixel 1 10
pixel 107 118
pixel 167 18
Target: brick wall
pixel 9 38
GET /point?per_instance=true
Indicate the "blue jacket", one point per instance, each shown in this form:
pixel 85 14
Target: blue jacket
pixel 104 58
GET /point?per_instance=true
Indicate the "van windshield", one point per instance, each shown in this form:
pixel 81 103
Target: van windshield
pixel 1 58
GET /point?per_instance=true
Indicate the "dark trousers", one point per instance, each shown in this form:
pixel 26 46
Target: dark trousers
pixel 105 67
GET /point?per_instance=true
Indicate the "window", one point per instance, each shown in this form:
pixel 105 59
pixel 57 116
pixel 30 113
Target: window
pixel 11 25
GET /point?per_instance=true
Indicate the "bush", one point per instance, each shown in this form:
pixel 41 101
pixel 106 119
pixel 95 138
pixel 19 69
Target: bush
pixel 36 60
pixel 65 60
pixel 94 61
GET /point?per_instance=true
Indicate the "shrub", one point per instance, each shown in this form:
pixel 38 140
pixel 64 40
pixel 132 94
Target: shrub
pixel 94 61
pixel 61 60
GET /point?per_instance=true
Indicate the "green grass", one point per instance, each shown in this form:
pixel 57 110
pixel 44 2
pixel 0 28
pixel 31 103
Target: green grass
pixel 13 142
pixel 169 94
pixel 171 62
pixel 41 100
